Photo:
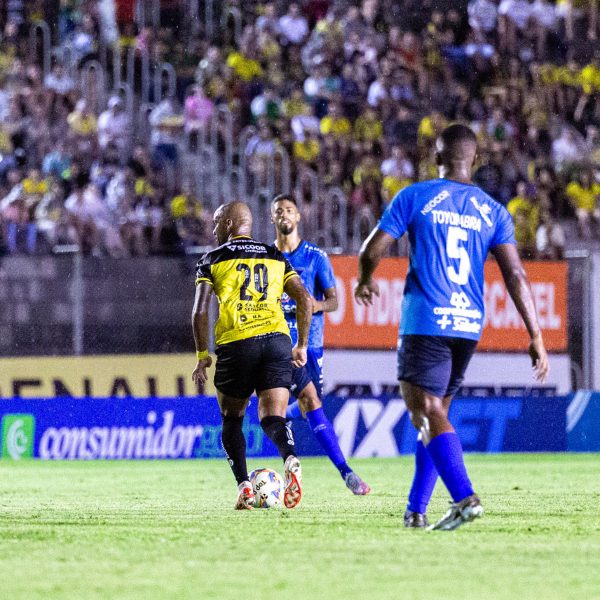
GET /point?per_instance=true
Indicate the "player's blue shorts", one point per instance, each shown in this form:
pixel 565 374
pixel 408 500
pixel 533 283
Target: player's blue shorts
pixel 312 371
pixel 436 364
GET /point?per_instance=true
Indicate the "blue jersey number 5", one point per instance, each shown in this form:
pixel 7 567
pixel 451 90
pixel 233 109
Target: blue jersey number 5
pixel 455 250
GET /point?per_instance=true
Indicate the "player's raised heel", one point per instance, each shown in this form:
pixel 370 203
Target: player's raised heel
pixel 465 511
pixel 356 485
pixel 245 499
pixel 293 482
pixel 415 520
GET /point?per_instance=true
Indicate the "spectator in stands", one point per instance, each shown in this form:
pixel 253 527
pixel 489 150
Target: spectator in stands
pixel 337 85
pixel 59 81
pixel 84 39
pixel 367 182
pixel 244 62
pixel 150 213
pixel 197 110
pixel 397 172
pixel 525 214
pixel 267 105
pixel 260 149
pixel 167 123
pixel 21 230
pixel 402 128
pixel 483 16
pixel 514 18
pixel 83 128
pixel 194 225
pixel 544 19
pixel 550 238
pixel 121 202
pixel 307 150
pixel 303 121
pixel 334 123
pixel 114 126
pixel 53 223
pixel 566 149
pixel 584 195
pixel 293 27
pixel 268 21
pixel 90 219
pixel 368 127
pixel 56 163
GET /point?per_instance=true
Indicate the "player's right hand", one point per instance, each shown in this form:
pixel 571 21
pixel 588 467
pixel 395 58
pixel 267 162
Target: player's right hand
pixel 539 358
pixel 299 356
pixel 199 374
pixel 364 293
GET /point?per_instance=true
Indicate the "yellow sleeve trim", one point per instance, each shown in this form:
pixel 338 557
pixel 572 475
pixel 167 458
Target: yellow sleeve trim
pixel 203 280
pixel 289 276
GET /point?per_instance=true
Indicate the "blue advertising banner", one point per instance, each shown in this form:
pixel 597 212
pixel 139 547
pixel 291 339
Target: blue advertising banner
pixel 175 428
pixel 381 427
pixel 583 419
pixel 120 428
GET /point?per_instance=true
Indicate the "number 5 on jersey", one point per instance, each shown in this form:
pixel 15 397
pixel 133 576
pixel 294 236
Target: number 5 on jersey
pixel 454 250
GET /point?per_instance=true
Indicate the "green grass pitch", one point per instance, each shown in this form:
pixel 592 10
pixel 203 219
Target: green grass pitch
pixel 167 530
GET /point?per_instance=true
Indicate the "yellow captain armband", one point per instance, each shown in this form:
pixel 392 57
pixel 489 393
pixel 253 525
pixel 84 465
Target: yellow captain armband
pixel 201 355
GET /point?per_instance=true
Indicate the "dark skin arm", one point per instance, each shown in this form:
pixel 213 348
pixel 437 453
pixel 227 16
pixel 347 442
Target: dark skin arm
pixel 200 327
pixel 371 252
pixel 304 309
pixel 329 302
pixel 519 289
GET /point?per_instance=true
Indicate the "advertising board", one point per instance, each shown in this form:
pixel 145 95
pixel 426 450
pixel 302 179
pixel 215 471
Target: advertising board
pixel 376 327
pixel 123 375
pixel 184 428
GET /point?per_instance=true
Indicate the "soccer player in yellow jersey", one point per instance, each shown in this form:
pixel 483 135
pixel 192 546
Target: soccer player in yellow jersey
pixel 254 348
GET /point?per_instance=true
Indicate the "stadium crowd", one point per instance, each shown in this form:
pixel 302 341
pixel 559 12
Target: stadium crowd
pixel 356 91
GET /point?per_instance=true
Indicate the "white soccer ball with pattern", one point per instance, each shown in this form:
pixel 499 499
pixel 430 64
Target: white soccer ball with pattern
pixel 268 488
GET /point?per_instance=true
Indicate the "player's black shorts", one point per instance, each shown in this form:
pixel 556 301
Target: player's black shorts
pixel 254 364
pixel 436 364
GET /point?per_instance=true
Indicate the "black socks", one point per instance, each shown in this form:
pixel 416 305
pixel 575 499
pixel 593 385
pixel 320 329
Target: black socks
pixel 234 444
pixel 280 435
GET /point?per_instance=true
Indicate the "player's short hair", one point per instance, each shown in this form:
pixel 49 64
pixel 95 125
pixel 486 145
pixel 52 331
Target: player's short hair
pixel 286 197
pixel 457 133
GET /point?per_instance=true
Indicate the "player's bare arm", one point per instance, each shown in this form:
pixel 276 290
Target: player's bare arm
pixel 296 290
pixel 519 289
pixel 200 327
pixel 329 302
pixel 371 252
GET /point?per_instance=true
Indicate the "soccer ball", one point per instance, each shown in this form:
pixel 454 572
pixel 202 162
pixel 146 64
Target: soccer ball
pixel 268 488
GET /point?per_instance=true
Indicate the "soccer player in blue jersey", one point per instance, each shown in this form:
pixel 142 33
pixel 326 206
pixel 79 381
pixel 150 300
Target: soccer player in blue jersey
pixel 314 267
pixel 451 225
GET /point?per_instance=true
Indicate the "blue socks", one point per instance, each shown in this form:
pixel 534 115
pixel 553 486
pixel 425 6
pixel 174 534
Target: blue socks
pixel 447 456
pixel 323 430
pixel 293 411
pixel 423 482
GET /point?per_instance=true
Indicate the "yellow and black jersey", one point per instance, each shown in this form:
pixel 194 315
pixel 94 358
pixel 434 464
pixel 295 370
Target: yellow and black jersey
pixel 248 278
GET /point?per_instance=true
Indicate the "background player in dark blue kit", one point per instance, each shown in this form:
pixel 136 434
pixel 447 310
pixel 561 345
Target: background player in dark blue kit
pixel 314 267
pixel 451 224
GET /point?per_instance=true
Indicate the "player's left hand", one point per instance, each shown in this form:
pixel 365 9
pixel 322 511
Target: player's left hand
pixel 299 356
pixel 364 292
pixel 316 305
pixel 539 358
pixel 200 375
